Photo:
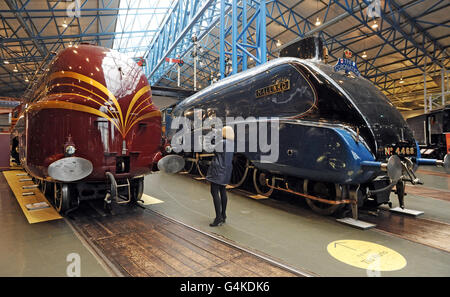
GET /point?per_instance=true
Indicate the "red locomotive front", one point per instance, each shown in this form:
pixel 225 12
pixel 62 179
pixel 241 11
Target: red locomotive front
pixel 88 120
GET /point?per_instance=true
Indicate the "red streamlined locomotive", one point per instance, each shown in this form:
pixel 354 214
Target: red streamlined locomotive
pixel 88 128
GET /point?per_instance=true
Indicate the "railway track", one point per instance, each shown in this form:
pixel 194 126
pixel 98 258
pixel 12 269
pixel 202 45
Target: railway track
pixel 429 192
pixel 429 232
pixel 137 241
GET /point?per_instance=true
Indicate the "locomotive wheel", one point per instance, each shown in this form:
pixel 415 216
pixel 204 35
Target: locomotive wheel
pixel 42 186
pixel 45 187
pixel 322 190
pixel 240 170
pixel 15 151
pixel 188 166
pixel 202 167
pixel 61 197
pixel 259 182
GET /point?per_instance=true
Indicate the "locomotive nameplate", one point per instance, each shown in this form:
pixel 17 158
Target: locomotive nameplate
pixel 278 87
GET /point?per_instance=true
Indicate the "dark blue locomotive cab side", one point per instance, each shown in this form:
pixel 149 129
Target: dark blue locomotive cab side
pixel 339 136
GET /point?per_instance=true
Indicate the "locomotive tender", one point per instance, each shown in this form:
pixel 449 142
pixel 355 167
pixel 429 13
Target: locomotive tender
pixel 432 131
pixel 341 141
pixel 88 129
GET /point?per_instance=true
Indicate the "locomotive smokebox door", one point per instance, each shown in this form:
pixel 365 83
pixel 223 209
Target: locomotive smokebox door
pixel 307 48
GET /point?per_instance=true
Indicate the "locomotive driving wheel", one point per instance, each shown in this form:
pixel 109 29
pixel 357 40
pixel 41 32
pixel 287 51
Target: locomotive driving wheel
pixel 321 190
pixel 202 167
pixel 240 170
pixel 260 184
pixel 45 187
pixel 61 194
pixel 188 165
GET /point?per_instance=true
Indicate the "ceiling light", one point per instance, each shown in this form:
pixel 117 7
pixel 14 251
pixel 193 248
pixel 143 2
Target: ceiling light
pixel 279 43
pixel 318 22
pixel 374 25
pixel 6 62
pixel 401 80
pixel 64 24
pixel 364 55
pixel 15 69
pixel 26 79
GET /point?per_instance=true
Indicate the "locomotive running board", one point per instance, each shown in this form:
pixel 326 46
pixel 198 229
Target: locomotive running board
pixel 356 223
pixel 410 212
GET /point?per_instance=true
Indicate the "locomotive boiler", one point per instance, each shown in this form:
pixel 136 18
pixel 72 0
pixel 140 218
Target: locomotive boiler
pixel 342 143
pixel 88 128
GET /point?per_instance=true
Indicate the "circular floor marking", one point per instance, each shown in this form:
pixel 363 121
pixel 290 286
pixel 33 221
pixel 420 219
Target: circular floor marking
pixel 366 255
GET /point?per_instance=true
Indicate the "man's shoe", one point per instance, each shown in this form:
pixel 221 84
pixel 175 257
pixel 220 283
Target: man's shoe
pixel 224 218
pixel 217 222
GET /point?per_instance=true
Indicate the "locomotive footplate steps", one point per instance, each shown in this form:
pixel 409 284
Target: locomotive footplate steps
pixel 411 212
pixel 26 193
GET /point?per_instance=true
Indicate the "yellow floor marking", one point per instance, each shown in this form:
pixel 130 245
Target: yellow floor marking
pixel 33 216
pixel 150 200
pixel 366 255
pixel 258 197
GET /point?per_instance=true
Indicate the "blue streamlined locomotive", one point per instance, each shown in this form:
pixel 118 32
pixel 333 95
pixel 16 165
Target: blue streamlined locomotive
pixel 341 141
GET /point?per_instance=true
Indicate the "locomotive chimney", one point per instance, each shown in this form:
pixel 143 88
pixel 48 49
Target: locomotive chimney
pixel 307 48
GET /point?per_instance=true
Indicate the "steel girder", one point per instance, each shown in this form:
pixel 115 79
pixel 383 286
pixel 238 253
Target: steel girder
pixel 186 18
pixel 25 40
pixel 399 33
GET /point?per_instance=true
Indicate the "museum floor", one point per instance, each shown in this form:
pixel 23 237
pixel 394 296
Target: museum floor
pixel 281 228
